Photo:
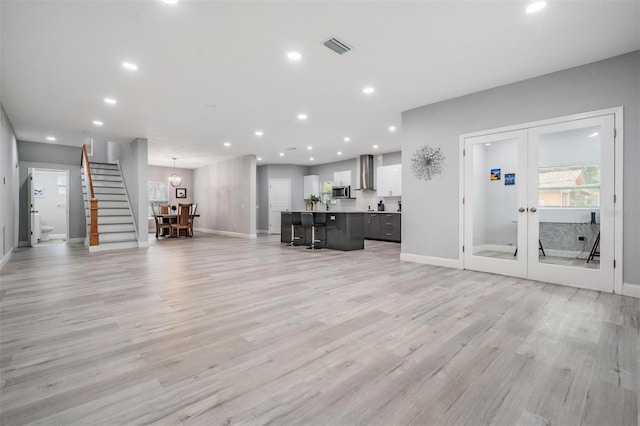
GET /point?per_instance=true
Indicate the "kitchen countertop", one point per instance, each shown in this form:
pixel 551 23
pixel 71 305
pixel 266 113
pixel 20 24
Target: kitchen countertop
pixel 338 211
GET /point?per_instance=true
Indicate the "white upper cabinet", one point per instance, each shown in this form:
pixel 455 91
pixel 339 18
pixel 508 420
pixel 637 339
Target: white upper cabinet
pixel 311 186
pixel 389 181
pixel 342 178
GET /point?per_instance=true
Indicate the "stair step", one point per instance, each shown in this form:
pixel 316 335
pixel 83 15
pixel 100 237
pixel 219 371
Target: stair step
pixel 104 172
pixel 115 227
pixel 112 197
pixel 106 184
pixel 111 204
pixel 114 220
pixel 117 237
pixel 113 212
pixel 103 165
pixel 108 190
pixel 111 178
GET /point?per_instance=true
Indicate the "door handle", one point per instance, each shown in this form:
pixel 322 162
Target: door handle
pixel 533 209
pixel 521 209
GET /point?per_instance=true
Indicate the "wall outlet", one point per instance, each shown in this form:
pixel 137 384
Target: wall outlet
pixel 580 238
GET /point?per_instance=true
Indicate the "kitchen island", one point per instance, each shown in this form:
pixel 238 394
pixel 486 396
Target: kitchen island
pixel 341 230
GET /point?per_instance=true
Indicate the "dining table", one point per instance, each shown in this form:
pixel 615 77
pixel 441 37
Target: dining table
pixel 171 218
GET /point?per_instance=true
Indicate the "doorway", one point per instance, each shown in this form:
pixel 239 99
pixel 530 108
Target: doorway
pixel 48 206
pixel 538 202
pixel 279 201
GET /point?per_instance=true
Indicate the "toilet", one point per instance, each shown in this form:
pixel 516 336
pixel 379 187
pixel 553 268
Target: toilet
pixel 42 230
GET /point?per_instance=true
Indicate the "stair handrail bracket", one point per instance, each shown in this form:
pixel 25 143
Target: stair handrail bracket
pixel 94 238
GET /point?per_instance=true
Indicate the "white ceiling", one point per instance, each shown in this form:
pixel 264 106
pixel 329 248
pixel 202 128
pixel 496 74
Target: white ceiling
pixel 212 71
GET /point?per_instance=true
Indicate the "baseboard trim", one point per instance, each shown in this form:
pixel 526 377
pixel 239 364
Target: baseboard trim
pixel 6 258
pixel 431 260
pixel 227 233
pixel 263 231
pixel 632 290
pixel 24 244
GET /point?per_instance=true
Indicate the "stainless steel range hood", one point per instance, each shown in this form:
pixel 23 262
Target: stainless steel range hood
pixel 365 173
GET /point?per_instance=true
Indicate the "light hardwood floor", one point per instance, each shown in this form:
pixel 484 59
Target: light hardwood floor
pixel 218 330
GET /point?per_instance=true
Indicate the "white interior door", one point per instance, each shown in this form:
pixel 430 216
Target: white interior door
pixel 571 205
pixel 494 203
pixel 33 237
pixel 279 201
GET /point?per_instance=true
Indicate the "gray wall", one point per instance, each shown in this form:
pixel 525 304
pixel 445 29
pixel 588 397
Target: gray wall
pixel 58 157
pixel 226 196
pixel 133 162
pixel 430 210
pixel 161 174
pixel 279 171
pixel 9 179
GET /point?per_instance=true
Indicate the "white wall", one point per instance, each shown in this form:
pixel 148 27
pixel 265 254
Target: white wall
pixel 430 210
pixel 133 162
pixel 8 189
pixel 226 197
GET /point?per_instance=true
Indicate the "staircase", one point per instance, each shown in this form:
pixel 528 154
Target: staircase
pixel 115 221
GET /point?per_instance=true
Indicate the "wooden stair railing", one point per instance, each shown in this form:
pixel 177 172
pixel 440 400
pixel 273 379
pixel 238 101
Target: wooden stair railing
pixel 94 239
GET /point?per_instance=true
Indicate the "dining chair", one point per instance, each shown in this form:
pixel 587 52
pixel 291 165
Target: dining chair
pixel 184 220
pixel 160 225
pixel 164 208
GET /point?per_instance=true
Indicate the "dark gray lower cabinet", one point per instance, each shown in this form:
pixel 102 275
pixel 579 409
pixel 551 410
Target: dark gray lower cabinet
pixel 341 231
pixel 383 226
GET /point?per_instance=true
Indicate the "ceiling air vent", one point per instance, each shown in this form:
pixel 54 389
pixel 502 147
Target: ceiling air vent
pixel 337 46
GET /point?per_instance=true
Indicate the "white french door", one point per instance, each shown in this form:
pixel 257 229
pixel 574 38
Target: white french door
pixel 539 203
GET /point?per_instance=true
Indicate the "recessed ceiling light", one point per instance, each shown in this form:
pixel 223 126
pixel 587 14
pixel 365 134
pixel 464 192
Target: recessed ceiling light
pixel 110 101
pixel 130 66
pixel 51 138
pixel 309 147
pixel 310 158
pixel 347 139
pixel 375 147
pixel 302 116
pixel 369 90
pixel 259 133
pixel 294 56
pixel 97 123
pixel 259 158
pixel 487 144
pixel 392 128
pixel 227 144
pixel 536 7
pixel 282 154
pixel 339 152
pixel 593 135
pixel 170 1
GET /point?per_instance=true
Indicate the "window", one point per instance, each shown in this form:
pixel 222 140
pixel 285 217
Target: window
pixel 569 186
pixel 158 193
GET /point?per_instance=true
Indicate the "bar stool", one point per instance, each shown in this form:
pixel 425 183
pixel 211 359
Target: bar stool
pixel 309 222
pixel 295 221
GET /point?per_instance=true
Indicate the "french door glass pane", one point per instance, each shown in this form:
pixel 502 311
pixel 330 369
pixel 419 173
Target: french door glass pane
pixel 495 199
pixel 569 197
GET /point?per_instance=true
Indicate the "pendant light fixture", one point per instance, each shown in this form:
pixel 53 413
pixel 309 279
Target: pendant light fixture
pixel 175 179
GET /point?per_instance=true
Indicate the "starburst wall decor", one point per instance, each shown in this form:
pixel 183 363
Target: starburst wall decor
pixel 427 162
